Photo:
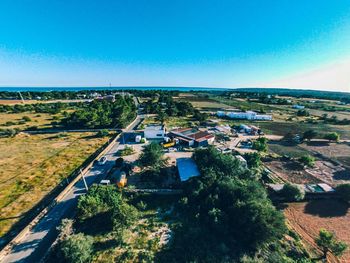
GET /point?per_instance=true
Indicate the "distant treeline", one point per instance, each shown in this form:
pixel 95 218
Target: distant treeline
pixel 317 94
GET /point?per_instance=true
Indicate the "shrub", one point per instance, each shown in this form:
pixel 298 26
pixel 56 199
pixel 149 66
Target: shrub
pixel 260 144
pixel 26 118
pixel 307 160
pixel 332 136
pixel 328 243
pixel 292 192
pixel 77 248
pixel 127 151
pixel 102 133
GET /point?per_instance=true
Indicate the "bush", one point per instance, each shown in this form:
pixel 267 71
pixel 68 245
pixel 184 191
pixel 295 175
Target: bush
pixel 332 136
pixel 77 248
pixel 292 192
pixel 260 144
pixel 343 191
pixel 307 160
pixel 102 133
pixel 26 118
pixel 127 151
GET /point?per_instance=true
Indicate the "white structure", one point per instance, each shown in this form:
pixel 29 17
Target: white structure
pixel 299 107
pixel 138 138
pixel 248 115
pixel 154 132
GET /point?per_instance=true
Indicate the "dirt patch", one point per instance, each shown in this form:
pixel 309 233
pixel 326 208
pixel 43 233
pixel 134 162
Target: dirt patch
pixel 291 171
pixel 330 173
pixel 334 151
pixel 308 218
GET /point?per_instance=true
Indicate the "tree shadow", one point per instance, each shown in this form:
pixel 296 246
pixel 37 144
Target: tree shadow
pixel 294 166
pixel 342 175
pixel 105 245
pixel 326 208
pixel 102 224
pixel 317 143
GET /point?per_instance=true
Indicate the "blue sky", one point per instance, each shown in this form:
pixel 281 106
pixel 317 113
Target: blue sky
pixel 296 44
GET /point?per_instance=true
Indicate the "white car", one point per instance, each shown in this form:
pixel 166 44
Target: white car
pixel 171 150
pixel 105 182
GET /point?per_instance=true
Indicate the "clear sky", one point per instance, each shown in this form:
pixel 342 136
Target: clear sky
pixel 217 43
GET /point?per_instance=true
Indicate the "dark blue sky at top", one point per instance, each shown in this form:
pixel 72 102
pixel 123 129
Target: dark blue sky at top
pixel 171 34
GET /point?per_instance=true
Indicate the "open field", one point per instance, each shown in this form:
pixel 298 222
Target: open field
pixel 308 218
pixel 334 151
pixel 202 103
pixel 15 120
pixel 14 102
pixel 32 165
pixel 171 122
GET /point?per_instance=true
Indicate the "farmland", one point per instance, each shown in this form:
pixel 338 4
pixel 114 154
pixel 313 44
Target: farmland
pixel 307 219
pixel 32 165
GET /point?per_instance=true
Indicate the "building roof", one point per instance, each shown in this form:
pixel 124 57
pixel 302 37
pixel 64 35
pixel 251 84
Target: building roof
pixel 154 127
pixel 192 134
pixel 187 168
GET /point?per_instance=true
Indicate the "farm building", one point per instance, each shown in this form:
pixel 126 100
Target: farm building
pixel 154 132
pixel 248 115
pixel 192 137
pixel 298 107
pixel 187 168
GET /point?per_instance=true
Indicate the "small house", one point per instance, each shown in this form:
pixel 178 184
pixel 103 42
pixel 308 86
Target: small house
pixel 154 132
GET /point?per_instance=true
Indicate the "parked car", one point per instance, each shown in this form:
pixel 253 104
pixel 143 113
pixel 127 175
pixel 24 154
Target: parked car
pixel 102 160
pixel 105 182
pixel 171 149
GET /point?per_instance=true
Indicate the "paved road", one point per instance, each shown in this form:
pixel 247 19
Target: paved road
pixel 36 243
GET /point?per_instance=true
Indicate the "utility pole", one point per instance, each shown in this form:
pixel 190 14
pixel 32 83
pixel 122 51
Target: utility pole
pixel 85 184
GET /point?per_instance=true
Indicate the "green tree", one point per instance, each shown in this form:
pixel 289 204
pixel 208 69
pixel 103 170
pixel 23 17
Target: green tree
pixel 77 248
pixel 260 144
pixel 292 192
pixel 332 136
pixel 307 160
pixel 343 191
pixel 309 134
pixel 152 156
pixel 328 243
pixel 253 160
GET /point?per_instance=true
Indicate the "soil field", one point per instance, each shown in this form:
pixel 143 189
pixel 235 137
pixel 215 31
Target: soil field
pixel 203 103
pixel 290 171
pixel 284 127
pixel 32 165
pixel 308 218
pixel 334 151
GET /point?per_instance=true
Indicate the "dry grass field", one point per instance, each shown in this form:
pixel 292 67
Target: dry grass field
pixel 32 165
pixel 308 218
pixel 15 120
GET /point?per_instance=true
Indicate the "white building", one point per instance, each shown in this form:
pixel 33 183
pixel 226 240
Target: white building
pixel 299 107
pixel 248 115
pixel 154 132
